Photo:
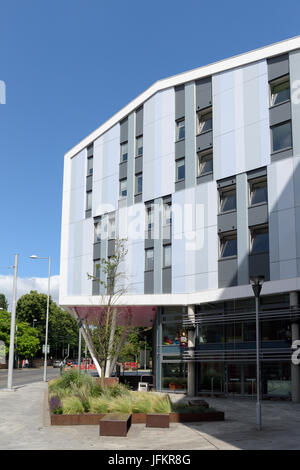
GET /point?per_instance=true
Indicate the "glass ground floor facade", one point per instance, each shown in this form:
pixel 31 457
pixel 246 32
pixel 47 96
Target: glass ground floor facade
pixel 218 346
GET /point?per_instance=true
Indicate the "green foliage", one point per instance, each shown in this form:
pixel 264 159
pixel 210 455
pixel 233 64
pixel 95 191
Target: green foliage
pixel 162 404
pixel 3 302
pixel 99 405
pixel 26 338
pixel 62 327
pixel 121 404
pixel 142 403
pixel 72 405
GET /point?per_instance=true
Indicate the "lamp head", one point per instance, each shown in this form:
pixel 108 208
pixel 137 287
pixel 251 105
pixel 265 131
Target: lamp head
pixel 257 282
pixel 33 256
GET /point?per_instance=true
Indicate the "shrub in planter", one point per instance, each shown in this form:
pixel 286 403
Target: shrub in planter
pixel 72 406
pixel 55 405
pixel 99 405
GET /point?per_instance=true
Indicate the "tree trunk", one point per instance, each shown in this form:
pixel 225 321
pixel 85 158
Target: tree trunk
pixel 120 345
pixel 102 374
pixel 111 342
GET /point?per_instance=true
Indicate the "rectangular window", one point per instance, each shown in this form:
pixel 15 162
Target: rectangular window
pixel 123 187
pixel 168 214
pixel 89 166
pixel 167 256
pixel 205 163
pixel 227 199
pixel 124 152
pixel 97 268
pixel 281 136
pixel 204 121
pixel 228 245
pixel 89 196
pixel 280 90
pixel 139 183
pixel 149 217
pixel 139 146
pixel 149 259
pixel 111 226
pixel 97 232
pixel 258 192
pixel 180 129
pixel 259 240
pixel 180 169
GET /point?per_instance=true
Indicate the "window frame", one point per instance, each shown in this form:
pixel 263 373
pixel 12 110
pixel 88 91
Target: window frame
pixel 123 153
pixel 167 246
pixel 253 182
pixel 224 237
pixel 276 82
pixel 203 156
pixel 89 194
pixel 147 250
pixel 222 191
pixel 97 223
pixel 177 166
pixel 200 116
pixel 258 229
pixel 120 191
pixel 89 172
pixel 282 149
pixel 178 127
pixel 137 176
pixel 137 147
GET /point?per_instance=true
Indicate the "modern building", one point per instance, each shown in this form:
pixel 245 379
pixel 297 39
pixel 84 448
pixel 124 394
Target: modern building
pixel 201 175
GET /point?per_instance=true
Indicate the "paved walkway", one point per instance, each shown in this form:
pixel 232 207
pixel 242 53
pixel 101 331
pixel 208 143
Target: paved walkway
pixel 25 424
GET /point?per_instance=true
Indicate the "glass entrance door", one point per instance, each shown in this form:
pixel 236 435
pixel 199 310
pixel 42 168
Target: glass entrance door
pixel 234 379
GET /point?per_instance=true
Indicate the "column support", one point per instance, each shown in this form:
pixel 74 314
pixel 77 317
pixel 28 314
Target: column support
pixel 191 344
pixel 295 368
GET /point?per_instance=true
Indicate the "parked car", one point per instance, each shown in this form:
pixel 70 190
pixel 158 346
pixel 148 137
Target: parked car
pixel 56 363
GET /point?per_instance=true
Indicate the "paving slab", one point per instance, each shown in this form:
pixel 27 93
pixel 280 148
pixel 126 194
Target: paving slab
pixel 25 424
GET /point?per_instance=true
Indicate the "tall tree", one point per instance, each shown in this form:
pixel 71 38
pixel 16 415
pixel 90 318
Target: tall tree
pixel 104 331
pixel 3 302
pixel 63 329
pixel 26 339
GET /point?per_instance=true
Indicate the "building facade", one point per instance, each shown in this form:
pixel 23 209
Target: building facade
pixel 200 174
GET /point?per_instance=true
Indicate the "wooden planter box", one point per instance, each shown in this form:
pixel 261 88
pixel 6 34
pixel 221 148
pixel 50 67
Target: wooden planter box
pixel 115 424
pixel 137 418
pixel 158 420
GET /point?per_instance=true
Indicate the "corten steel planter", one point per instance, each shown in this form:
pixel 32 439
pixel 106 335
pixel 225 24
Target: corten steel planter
pixel 137 418
pixel 115 424
pixel 158 420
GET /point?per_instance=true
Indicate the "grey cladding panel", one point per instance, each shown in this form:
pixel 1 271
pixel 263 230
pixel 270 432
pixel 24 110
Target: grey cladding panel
pixel 203 93
pixel 257 173
pixel 278 66
pixel 258 215
pixel 167 280
pixel 205 178
pixel 227 222
pixel 280 113
pixel 89 183
pixel 228 272
pixel 149 282
pixel 124 130
pixel 226 182
pixel 123 170
pixel 90 150
pixel 138 198
pixel 179 185
pixel 97 250
pixel 95 288
pixel 179 102
pixel 259 265
pixel 281 155
pixel 138 165
pixel 204 141
pixel 110 247
pixel 179 149
pixel 139 121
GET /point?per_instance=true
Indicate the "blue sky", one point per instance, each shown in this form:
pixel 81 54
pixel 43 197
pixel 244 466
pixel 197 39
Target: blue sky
pixel 69 65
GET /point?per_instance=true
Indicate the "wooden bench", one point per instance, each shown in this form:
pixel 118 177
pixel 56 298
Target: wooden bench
pixel 115 424
pixel 158 420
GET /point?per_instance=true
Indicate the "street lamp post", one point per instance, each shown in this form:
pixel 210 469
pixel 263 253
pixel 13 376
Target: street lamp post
pixel 12 326
pixel 47 313
pixel 257 282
